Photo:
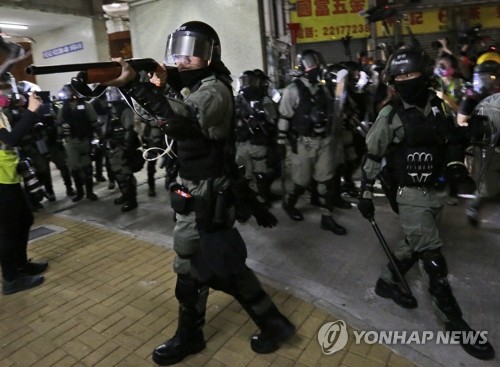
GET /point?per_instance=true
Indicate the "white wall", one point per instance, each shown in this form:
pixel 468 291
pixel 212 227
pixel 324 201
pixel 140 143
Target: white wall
pixel 91 32
pixel 235 21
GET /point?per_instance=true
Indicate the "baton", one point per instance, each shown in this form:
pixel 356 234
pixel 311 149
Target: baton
pixel 389 254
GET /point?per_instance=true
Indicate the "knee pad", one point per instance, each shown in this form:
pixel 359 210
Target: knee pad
pixel 187 289
pixel 434 263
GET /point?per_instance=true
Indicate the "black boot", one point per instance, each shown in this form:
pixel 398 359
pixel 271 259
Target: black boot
pixel 188 338
pixel 289 204
pixel 480 348
pixel 435 266
pixel 78 179
pixel 130 204
pixel 120 200
pixel 275 329
pixel 66 176
pixel 392 290
pixel 89 185
pixel 329 224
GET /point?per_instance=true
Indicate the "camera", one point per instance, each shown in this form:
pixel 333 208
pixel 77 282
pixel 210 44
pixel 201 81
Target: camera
pixel 31 183
pixel 470 36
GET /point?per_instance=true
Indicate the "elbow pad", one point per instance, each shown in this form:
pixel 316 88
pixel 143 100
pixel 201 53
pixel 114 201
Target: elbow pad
pixel 149 97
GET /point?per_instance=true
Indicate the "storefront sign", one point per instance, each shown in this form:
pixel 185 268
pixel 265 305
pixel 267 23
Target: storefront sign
pixel 327 20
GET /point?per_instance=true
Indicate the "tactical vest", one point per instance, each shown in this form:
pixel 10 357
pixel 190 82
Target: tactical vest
pixel 202 158
pixel 79 125
pixel 250 123
pixel 311 115
pixel 419 160
pixel 117 132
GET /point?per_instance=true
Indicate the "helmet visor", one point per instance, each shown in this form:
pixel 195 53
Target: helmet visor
pixel 186 44
pixel 310 61
pixel 483 82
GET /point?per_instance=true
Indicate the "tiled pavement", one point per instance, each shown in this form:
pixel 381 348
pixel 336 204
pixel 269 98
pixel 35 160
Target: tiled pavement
pixel 108 300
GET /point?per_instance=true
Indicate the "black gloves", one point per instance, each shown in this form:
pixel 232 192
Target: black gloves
pixel 366 208
pixel 262 215
pixel 365 203
pixel 246 201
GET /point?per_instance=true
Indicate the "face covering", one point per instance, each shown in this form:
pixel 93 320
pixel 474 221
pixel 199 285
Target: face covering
pixel 413 91
pixel 188 78
pixel 4 101
pixel 313 75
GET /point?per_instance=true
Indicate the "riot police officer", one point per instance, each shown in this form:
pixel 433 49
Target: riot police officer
pixel 486 83
pixel 306 119
pixel 77 121
pixel 417 136
pixel 202 123
pixel 122 141
pixel 255 127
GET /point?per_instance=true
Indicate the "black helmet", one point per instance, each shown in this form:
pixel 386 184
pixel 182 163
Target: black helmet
pixel 248 79
pixel 410 60
pixel 309 59
pixel 193 39
pixel 67 93
pixel 486 77
pixel 262 77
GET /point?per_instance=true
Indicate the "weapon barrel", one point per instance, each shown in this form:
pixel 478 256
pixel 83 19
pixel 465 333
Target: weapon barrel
pixel 147 64
pixel 65 68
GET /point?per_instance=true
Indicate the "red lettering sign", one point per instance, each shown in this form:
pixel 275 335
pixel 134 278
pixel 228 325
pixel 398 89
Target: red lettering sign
pixel 304 8
pixel 339 7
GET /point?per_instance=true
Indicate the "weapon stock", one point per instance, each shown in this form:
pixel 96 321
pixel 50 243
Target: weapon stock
pixel 95 72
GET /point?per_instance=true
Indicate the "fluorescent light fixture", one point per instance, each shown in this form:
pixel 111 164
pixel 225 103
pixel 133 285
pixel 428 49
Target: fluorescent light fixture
pixel 12 26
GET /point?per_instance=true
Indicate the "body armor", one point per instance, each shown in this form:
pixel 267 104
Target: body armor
pixel 419 160
pixel 251 121
pixel 75 121
pixel 311 115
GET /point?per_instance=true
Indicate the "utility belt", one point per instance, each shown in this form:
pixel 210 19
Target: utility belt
pixel 6 147
pixel 212 216
pixel 438 186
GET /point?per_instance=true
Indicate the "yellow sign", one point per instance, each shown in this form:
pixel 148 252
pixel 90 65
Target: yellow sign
pixel 437 20
pixel 329 20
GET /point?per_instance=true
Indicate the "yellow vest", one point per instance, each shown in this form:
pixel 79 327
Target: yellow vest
pixel 8 158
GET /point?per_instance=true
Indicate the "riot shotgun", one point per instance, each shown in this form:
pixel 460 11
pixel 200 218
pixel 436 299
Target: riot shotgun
pixel 95 72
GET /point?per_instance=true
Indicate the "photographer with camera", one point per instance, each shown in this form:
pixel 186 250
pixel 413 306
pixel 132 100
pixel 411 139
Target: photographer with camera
pixel 16 216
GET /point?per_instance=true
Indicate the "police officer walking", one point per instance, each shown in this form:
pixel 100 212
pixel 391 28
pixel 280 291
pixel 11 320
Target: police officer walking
pixel 202 123
pixel 306 119
pixel 417 135
pixel 77 122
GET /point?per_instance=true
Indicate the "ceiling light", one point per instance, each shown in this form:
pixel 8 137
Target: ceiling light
pixel 12 26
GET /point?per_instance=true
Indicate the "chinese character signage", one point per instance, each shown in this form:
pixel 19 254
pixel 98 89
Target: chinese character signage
pixel 437 20
pixel 77 46
pixel 329 20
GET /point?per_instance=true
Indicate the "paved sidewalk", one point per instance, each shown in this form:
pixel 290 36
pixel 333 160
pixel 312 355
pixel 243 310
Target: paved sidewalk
pixel 108 300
